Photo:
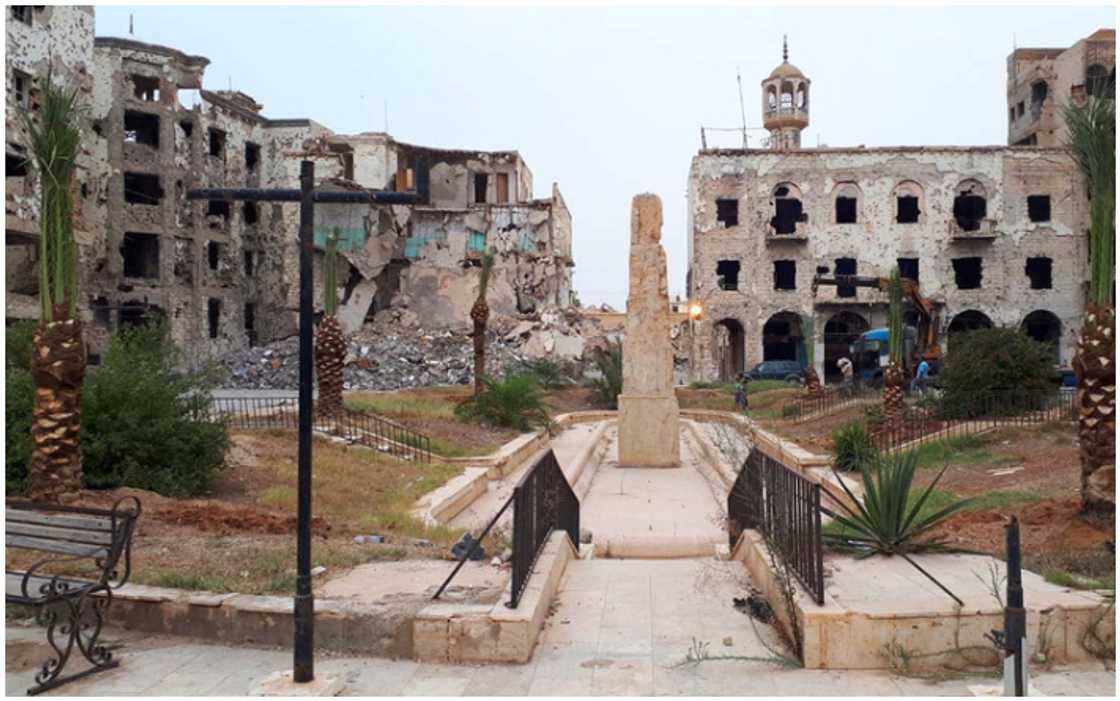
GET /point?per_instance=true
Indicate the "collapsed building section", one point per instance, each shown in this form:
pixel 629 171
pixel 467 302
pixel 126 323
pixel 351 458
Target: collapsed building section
pixel 223 274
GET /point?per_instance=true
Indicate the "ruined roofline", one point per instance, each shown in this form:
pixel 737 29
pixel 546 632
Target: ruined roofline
pixel 878 149
pixel 134 45
pixel 216 99
pixel 461 153
pixel 1027 52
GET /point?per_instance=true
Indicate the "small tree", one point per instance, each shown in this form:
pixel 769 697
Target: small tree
pixel 58 361
pixel 894 376
pixel 1092 144
pixel 989 370
pixel 330 344
pixel 480 317
pixel 606 388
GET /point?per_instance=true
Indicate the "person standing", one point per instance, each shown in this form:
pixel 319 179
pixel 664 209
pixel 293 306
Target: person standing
pixel 848 372
pixel 921 377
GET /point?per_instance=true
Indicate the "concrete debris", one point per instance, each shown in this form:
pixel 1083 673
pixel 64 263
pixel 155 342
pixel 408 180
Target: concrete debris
pixel 395 352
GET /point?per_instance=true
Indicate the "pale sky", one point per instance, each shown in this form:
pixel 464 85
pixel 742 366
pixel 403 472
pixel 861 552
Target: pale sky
pixel 609 102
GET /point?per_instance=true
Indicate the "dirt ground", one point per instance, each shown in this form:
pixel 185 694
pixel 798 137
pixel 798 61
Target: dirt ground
pixel 1041 467
pixel 815 434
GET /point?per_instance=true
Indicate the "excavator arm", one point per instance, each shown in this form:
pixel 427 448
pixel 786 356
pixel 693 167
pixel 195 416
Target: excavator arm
pixel 928 346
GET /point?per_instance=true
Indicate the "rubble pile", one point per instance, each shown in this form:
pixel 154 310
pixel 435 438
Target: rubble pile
pixel 395 351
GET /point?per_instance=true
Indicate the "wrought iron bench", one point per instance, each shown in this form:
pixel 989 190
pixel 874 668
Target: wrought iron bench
pixel 73 606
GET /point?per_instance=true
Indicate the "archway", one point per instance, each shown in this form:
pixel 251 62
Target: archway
pixel 1045 327
pixel 729 349
pixel 970 320
pixel 781 337
pixel 840 331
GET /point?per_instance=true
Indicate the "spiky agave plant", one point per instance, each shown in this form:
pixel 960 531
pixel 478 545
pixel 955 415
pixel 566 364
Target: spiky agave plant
pixel 1092 144
pixel 480 317
pixel 812 379
pixel 330 345
pixel 894 376
pixel 58 364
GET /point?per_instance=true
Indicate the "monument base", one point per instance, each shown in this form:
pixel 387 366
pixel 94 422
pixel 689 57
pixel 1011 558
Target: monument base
pixel 649 433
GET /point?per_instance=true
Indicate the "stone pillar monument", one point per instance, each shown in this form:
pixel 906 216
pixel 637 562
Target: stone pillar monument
pixel 648 415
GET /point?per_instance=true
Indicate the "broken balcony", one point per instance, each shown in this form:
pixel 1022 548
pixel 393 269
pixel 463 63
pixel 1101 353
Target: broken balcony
pixel 972 230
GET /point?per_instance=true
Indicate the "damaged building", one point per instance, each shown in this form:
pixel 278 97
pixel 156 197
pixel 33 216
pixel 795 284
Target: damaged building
pixel 224 274
pixel 995 236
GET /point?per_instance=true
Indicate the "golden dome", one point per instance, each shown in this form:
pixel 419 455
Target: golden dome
pixel 786 70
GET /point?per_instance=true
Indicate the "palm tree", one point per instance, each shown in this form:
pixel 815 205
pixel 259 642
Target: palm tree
pixel 58 363
pixel 330 346
pixel 812 379
pixel 894 376
pixel 1092 144
pixel 480 315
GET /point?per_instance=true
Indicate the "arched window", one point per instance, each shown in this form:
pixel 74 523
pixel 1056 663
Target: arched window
pixel 771 98
pixel 908 202
pixel 787 95
pixel 787 209
pixel 802 96
pixel 970 205
pixel 1096 80
pixel 846 197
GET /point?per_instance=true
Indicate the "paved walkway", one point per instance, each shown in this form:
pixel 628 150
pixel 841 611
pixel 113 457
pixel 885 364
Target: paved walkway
pixel 164 666
pixel 652 512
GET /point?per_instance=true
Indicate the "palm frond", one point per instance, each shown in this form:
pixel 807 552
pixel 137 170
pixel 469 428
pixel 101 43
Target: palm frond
pixel 1091 142
pixel 894 290
pixel 330 274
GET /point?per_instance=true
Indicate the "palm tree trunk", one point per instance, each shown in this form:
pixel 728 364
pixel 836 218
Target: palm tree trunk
pixel 1096 403
pixel 330 356
pixel 58 368
pixel 479 355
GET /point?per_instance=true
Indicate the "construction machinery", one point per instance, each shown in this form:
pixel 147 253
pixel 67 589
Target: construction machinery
pixel 927 346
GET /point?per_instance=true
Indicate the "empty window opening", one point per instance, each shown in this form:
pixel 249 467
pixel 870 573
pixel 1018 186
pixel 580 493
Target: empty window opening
pixel 250 263
pixel 141 128
pixel 251 323
pixel 15 162
pixel 102 314
pixel 502 185
pixel 21 85
pixel 138 313
pixel 968 272
pixel 252 155
pixel 908 268
pixel 846 210
pixel 188 127
pixel 1038 207
pixel 787 210
pixel 1044 327
pixel 1031 140
pixel 141 255
pixel 213 315
pixel 727 212
pixel 1039 271
pixel 218 208
pixel 727 274
pixel 348 165
pixel 970 207
pixel 781 340
pixel 1038 97
pixel 21 13
pixel 1020 109
pixel 142 188
pixel 250 213
pixel 845 266
pixel 1011 114
pixel 214 254
pixel 907 209
pixel 145 88
pixel 480 180
pixel 217 143
pixel 970 320
pixel 785 275
pixel 1096 80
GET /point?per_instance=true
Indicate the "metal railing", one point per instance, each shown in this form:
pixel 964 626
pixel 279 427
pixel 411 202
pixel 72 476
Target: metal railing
pixel 543 501
pixel 786 509
pixel 831 399
pixel 359 427
pixel 949 417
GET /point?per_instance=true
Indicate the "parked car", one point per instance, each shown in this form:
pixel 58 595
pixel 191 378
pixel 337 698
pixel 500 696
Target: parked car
pixel 788 370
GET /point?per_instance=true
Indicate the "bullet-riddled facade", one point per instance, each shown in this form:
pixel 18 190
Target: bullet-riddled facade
pixel 994 236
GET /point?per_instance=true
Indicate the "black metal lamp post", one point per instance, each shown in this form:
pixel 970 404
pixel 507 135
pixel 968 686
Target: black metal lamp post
pixel 303 669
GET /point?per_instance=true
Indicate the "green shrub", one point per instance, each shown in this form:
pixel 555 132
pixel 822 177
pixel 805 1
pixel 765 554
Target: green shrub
pixel 873 415
pixel 852 446
pixel 790 411
pixel 547 372
pixel 606 388
pixel 891 518
pixel 18 344
pixel 19 397
pixel 515 402
pixel 998 371
pixel 141 422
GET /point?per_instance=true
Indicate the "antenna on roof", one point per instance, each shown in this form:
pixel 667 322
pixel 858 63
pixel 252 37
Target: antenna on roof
pixel 386 115
pixel 785 50
pixel 742 110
